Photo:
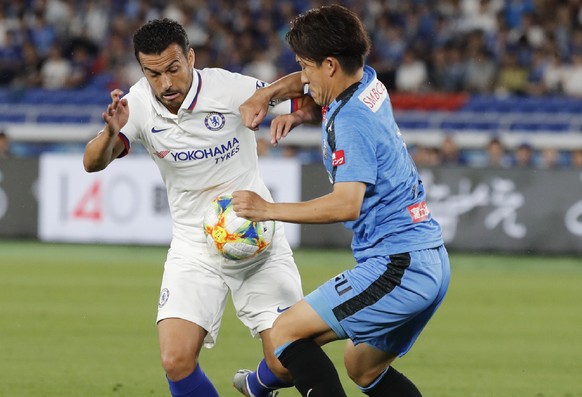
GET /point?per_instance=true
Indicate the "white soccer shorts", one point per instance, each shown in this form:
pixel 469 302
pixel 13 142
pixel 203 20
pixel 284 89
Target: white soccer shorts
pixel 195 288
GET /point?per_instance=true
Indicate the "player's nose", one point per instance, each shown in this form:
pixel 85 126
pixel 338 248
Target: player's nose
pixel 166 81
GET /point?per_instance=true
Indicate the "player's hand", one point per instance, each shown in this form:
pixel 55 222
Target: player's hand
pixel 249 205
pixel 283 124
pixel 254 109
pixel 117 113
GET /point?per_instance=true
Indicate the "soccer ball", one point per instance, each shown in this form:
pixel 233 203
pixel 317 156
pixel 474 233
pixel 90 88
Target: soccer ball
pixel 234 237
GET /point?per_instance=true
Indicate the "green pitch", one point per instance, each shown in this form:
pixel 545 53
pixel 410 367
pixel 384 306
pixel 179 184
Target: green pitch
pixel 78 320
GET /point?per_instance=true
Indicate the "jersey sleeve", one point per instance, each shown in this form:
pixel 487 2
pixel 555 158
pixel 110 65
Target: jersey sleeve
pixel 245 86
pixel 354 157
pixel 130 131
pixel 283 107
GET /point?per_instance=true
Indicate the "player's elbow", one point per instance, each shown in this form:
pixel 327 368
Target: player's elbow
pixel 92 165
pixel 349 212
pixel 347 199
pixel 91 168
pixel 352 214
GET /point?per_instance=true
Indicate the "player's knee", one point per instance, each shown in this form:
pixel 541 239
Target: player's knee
pixel 280 333
pixel 362 376
pixel 358 378
pixel 277 335
pixel 178 364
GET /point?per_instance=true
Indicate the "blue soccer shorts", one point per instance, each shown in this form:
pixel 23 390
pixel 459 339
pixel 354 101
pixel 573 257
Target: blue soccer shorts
pixel 385 302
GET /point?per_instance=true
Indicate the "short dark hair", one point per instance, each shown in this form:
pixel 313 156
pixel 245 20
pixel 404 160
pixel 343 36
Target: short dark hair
pixel 157 35
pixel 330 31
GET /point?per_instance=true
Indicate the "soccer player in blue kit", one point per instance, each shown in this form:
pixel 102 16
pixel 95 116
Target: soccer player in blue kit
pixel 381 305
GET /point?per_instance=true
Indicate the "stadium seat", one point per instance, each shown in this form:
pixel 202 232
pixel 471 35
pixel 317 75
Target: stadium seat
pixel 12 117
pixel 527 104
pixel 38 96
pixel 570 105
pixel 480 103
pixel 5 97
pixel 413 124
pixel 534 126
pixel 64 118
pixel 93 96
pixel 474 125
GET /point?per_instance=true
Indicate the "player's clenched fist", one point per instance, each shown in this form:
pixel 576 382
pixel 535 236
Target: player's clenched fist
pixel 250 205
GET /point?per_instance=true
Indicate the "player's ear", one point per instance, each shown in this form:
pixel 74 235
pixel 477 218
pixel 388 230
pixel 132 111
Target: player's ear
pixel 331 65
pixel 191 58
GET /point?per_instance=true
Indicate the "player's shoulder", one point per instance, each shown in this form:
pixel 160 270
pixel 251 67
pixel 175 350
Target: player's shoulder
pixel 370 104
pixel 141 85
pixel 141 101
pixel 356 117
pixel 218 73
pixel 372 94
pixel 140 92
pixel 353 110
pixel 224 77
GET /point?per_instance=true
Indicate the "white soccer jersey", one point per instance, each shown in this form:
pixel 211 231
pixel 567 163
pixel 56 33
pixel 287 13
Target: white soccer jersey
pixel 202 151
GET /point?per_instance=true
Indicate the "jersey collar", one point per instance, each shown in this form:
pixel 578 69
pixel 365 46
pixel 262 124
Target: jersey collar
pixel 369 75
pixel 192 97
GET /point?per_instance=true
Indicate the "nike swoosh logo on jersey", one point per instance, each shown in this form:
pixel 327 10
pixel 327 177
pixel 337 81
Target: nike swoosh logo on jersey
pixel 156 130
pixel 279 310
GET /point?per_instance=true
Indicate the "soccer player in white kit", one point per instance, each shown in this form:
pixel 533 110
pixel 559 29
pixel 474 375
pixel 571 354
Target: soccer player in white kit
pixel 189 122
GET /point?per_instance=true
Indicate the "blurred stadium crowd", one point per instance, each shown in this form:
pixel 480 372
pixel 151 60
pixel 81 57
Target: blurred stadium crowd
pixel 518 47
pixel 478 46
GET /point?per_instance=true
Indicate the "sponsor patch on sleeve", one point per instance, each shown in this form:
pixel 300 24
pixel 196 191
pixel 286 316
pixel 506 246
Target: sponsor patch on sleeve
pixel 374 95
pixel 338 158
pixel 418 212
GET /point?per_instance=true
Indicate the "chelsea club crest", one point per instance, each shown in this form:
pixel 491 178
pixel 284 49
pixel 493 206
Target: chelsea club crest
pixel 214 121
pixel 164 296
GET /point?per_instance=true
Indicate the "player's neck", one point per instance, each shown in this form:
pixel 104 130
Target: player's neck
pixel 345 81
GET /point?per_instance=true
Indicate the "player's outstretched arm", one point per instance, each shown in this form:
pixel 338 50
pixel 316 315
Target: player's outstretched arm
pixel 343 204
pixel 106 146
pixel 254 109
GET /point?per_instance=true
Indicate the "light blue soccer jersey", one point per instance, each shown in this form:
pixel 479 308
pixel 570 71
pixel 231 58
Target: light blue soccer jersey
pixel 362 143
